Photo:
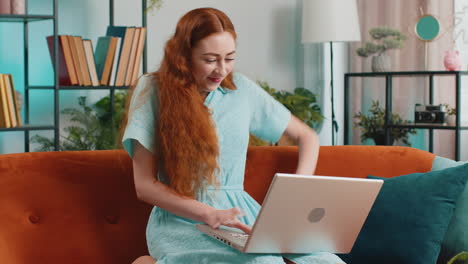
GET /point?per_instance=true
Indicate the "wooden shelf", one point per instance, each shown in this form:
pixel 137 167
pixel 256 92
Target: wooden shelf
pixel 24 18
pixel 28 128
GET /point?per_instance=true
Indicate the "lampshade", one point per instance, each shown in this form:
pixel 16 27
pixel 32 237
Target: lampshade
pixel 330 20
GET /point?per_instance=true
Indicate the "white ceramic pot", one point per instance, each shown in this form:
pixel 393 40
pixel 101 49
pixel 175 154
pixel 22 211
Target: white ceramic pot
pixel 450 120
pixel 381 63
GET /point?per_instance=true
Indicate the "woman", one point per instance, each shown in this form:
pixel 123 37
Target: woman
pixel 187 132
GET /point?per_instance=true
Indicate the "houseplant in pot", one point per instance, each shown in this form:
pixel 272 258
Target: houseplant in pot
pixel 451 115
pixel 372 126
pixel 384 38
pixel 91 128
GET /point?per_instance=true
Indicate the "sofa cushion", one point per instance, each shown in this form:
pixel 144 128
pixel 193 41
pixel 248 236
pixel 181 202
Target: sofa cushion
pixel 70 207
pixel 409 218
pixel 456 238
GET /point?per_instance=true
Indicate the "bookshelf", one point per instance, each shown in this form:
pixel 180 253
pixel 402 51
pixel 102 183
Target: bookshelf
pixel 56 88
pixel 430 127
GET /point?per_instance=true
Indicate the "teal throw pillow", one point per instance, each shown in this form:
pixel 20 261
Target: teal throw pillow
pixel 456 238
pixel 409 218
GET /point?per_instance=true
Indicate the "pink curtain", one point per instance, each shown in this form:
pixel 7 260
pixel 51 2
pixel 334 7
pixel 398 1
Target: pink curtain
pixel 407 91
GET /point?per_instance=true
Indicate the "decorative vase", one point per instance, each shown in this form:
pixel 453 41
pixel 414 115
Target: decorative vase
pixel 381 63
pixel 451 120
pixel 5 7
pixel 18 7
pixel 380 140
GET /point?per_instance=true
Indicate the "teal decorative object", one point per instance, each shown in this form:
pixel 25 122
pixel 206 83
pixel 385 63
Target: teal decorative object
pixel 409 218
pixel 427 28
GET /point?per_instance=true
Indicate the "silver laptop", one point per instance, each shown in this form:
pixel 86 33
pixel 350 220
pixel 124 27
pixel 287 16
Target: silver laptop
pixel 306 214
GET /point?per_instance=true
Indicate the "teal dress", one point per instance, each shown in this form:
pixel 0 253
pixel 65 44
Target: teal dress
pixel 236 113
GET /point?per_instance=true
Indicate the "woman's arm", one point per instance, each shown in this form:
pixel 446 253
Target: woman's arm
pixel 308 142
pixel 150 190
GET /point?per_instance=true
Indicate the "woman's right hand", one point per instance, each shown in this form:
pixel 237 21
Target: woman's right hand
pixel 228 218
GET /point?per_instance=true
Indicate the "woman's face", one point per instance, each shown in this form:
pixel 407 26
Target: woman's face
pixel 213 60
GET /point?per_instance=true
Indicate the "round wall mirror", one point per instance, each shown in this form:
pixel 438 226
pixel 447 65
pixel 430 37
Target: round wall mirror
pixel 427 28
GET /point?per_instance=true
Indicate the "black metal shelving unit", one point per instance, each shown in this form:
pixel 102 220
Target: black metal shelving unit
pixel 388 104
pixel 25 19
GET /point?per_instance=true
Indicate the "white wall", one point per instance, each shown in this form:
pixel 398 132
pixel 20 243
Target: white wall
pixel 266 30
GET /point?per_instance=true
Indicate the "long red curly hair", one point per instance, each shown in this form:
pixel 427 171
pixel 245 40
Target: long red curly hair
pixel 185 135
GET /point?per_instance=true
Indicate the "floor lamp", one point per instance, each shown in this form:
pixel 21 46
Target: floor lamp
pixel 330 21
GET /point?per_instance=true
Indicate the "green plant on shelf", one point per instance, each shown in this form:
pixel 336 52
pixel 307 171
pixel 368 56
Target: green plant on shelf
pixel 372 126
pixel 301 102
pixel 450 110
pixel 93 128
pixel 384 38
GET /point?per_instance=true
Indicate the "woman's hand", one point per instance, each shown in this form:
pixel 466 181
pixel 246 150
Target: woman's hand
pixel 228 218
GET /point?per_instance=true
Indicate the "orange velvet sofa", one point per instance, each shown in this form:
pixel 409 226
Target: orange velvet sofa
pixel 81 207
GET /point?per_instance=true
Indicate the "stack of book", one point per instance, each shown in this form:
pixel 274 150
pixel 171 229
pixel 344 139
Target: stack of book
pixel 115 62
pixel 9 110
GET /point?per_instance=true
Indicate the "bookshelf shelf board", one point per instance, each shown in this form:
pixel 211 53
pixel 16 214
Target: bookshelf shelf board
pixel 429 126
pixel 103 87
pixel 405 73
pixel 79 87
pixel 24 18
pixel 28 127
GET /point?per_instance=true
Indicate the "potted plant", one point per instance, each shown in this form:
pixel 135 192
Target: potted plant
pixel 93 128
pixel 451 115
pixel 302 103
pixel 384 38
pixel 372 126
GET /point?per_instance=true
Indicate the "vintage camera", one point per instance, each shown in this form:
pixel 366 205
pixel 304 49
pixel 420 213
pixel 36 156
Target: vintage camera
pixel 430 113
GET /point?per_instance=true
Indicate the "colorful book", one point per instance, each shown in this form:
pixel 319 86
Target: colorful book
pixel 101 54
pixel 88 48
pixel 132 57
pixel 11 106
pixel 75 58
pixel 66 70
pixel 139 56
pixel 126 33
pixel 115 63
pixel 82 60
pixel 2 118
pixel 15 101
pixel 4 103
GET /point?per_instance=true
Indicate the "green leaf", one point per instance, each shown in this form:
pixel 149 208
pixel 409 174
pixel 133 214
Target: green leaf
pixel 372 126
pixel 302 103
pixel 92 128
